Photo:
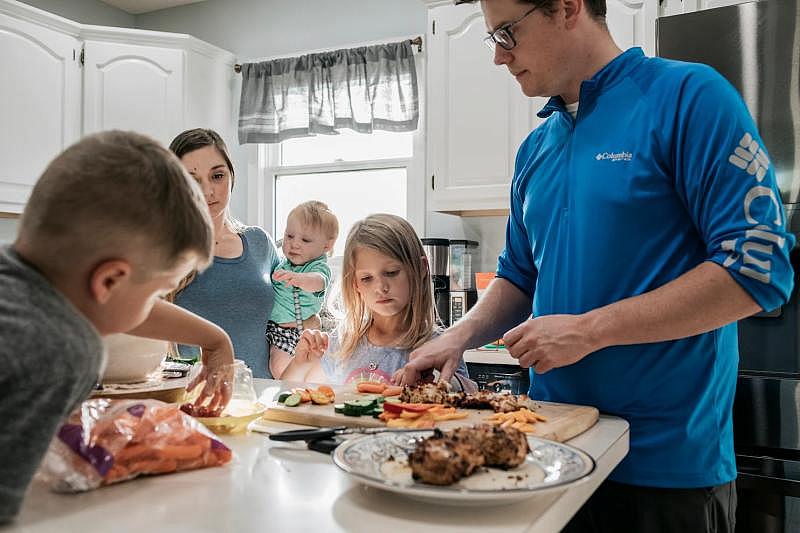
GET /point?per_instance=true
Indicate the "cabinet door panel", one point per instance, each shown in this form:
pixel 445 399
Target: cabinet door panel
pixel 477 115
pixel 632 23
pixel 39 103
pixel 130 87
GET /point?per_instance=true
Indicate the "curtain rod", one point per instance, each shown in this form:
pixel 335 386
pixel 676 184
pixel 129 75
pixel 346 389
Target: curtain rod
pixel 415 41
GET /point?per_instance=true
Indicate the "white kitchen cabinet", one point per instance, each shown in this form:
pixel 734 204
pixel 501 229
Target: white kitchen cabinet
pixel 40 101
pixel 633 23
pixel 133 87
pixel 152 82
pixel 155 83
pixel 477 115
pixel 676 7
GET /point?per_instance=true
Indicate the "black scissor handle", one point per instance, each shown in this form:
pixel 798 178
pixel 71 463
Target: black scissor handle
pixel 306 434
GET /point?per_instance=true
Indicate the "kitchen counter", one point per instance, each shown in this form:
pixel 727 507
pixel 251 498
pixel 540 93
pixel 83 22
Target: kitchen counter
pixel 498 356
pixel 285 487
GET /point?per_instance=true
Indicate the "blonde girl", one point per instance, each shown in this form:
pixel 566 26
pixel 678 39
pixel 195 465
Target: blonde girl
pixel 386 306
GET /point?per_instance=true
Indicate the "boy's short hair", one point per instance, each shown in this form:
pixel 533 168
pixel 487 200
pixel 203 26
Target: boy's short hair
pixel 317 215
pixel 117 195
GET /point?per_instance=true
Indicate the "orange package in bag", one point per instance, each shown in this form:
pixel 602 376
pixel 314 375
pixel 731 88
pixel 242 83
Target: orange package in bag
pixel 106 441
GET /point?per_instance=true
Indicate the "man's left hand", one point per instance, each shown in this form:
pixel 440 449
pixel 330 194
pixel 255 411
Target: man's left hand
pixel 550 341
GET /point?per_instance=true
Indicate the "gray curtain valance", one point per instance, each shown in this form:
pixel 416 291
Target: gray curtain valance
pixel 364 89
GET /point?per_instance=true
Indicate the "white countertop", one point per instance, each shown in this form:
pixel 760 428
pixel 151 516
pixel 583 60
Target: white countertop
pixel 273 486
pixel 492 357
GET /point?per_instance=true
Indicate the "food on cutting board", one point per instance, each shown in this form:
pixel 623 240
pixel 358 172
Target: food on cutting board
pixel 322 395
pixel 445 457
pixel 440 393
pixel 377 387
pixel 522 420
pixel 107 441
pixel 417 415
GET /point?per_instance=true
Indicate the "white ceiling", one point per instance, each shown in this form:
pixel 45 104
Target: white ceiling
pixel 136 7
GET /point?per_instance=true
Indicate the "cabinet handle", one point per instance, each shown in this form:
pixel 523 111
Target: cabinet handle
pixel 433 182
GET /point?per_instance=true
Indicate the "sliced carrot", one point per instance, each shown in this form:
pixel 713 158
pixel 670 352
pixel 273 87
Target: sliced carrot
pixel 320 398
pixel 392 390
pixel 371 387
pixel 327 391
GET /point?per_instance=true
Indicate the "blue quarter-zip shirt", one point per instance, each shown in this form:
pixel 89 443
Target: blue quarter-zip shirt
pixel 661 170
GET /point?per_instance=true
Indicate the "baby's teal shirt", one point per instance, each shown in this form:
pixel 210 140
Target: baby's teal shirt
pixel 310 302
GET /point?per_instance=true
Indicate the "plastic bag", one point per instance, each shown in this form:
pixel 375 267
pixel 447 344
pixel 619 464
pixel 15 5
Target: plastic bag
pixel 107 441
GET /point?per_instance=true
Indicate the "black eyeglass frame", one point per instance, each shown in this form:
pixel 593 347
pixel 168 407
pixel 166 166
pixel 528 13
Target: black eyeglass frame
pixel 498 36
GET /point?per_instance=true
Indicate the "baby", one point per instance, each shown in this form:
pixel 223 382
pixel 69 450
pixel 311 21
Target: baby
pixel 300 279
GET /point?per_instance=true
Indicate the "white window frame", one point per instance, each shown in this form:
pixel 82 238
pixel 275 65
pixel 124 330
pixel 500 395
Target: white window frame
pixel 264 167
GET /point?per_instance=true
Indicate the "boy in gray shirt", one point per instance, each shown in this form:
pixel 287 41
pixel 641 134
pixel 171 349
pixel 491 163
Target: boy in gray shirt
pixel 112 224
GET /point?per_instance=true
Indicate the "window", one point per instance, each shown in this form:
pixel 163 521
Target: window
pixel 355 174
pixel 344 192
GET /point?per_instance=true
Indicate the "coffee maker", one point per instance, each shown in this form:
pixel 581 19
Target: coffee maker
pixel 438 253
pixel 463 293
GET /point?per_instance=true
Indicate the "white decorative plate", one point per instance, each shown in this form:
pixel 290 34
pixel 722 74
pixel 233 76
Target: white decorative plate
pixel 381 460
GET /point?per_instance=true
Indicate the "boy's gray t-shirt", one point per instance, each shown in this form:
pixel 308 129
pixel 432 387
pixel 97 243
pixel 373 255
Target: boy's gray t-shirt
pixel 50 358
pixel 368 362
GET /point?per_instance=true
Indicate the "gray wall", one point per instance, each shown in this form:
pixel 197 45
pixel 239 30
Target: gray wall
pixel 8 230
pixel 86 12
pixel 255 29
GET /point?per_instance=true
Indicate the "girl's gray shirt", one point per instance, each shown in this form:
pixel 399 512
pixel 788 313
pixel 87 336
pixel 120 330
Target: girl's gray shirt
pixel 368 362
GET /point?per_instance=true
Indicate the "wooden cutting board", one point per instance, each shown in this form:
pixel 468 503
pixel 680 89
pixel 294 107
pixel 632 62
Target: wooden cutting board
pixel 564 420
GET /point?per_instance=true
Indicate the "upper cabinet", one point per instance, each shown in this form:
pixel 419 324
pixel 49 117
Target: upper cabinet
pixel 40 102
pixel 133 87
pixel 477 115
pixel 676 7
pixel 71 80
pixel 633 23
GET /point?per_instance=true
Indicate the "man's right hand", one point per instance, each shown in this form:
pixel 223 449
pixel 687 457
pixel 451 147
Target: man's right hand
pixel 443 353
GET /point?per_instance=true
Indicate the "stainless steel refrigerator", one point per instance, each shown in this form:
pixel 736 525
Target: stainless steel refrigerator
pixel 756 46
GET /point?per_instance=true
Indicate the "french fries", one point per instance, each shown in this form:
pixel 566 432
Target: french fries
pixel 421 419
pixel 522 419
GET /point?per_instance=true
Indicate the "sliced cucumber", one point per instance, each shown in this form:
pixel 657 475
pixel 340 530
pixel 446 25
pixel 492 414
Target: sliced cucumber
pixel 338 408
pixel 363 406
pixel 292 400
pixel 282 396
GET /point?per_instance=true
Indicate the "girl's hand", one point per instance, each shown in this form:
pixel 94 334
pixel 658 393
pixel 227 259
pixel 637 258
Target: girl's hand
pixel 312 345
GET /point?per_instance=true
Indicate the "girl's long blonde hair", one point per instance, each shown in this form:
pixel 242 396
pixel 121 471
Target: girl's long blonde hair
pixel 394 237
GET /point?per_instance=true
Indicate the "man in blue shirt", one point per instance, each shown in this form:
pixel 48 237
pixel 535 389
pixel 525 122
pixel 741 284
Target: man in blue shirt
pixel 645 221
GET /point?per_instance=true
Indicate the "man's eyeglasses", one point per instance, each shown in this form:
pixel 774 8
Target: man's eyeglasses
pixel 503 35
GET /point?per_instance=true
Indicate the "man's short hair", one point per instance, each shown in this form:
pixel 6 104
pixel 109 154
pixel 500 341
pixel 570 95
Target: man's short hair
pixel 117 195
pixel 317 215
pixel 596 8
